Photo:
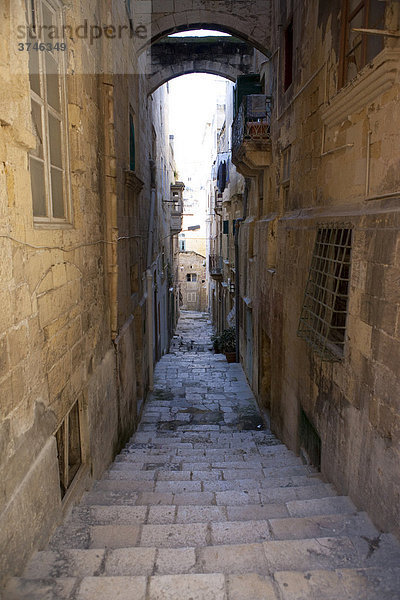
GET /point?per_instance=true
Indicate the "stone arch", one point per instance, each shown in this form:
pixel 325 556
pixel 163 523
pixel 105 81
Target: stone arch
pixel 159 79
pixel 227 57
pixel 249 20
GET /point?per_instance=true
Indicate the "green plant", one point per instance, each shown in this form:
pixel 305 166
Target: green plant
pixel 225 341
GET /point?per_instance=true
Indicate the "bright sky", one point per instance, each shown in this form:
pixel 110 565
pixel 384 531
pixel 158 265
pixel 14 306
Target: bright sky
pixel 198 33
pixel 193 100
pixel 192 104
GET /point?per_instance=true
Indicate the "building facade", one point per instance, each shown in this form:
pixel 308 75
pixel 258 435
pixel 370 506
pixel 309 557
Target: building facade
pixel 86 255
pixel 192 281
pixel 317 264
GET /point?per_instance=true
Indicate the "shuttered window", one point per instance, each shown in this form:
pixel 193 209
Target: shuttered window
pixel 48 161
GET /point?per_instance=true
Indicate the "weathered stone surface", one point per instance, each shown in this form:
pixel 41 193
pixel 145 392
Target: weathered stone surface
pixel 227 545
pixel 120 588
pixel 197 587
pixel 256 587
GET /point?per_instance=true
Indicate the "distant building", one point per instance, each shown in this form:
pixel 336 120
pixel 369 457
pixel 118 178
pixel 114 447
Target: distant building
pixel 192 281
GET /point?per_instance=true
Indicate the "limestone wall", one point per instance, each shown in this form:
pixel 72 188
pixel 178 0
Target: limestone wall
pixel 343 170
pixel 193 294
pixel 73 318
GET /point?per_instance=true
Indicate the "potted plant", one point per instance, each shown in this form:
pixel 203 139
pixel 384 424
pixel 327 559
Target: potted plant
pixel 225 343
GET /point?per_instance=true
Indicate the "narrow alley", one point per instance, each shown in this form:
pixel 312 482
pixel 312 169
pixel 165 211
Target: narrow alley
pixel 204 503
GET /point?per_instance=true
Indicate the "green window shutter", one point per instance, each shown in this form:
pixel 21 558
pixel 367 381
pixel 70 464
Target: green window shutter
pixel 225 227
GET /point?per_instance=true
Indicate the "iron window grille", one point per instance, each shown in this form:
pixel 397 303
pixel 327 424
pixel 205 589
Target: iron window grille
pixel 324 314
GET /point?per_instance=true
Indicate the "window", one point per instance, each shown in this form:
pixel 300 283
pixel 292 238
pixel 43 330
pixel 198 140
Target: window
pixel 191 277
pixel 225 227
pixel 324 314
pixel 132 148
pixel 192 297
pixel 48 161
pixel 359 48
pixel 182 242
pixel 68 439
pixel 288 66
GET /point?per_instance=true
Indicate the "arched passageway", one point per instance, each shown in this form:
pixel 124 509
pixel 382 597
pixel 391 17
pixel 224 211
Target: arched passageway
pixel 172 57
pixel 249 20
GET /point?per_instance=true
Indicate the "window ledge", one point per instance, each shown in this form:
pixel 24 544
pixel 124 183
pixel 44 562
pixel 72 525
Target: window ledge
pixel 52 225
pixel 373 80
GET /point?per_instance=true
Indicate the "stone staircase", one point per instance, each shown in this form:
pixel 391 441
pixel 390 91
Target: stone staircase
pixel 211 508
pixel 239 520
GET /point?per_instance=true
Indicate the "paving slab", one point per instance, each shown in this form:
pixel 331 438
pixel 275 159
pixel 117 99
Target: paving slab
pixel 130 561
pixel 40 589
pixel 114 536
pixel 185 587
pixel 65 564
pixel 170 536
pixel 251 586
pixel 235 559
pixel 117 588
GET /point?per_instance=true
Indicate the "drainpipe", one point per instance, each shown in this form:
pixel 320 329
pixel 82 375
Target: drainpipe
pixel 149 276
pixel 150 321
pixel 152 206
pixel 237 272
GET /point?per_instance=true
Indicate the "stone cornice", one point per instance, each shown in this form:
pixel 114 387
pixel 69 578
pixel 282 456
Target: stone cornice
pixel 133 182
pixel 374 80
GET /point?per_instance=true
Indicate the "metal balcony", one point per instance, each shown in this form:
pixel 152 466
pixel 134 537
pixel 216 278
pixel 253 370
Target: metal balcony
pixel 251 135
pixel 216 267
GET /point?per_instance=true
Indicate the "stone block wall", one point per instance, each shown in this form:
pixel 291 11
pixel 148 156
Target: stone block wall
pixel 343 171
pixel 73 318
pixel 191 262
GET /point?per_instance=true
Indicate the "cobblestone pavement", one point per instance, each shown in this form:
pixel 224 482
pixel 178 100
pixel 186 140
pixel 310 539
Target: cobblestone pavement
pixel 204 503
pixel 195 387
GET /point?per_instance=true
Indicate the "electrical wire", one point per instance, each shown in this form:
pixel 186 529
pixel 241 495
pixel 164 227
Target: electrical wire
pixel 72 248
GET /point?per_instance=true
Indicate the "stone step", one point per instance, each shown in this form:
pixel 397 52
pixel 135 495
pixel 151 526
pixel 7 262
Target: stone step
pixel 210 586
pixel 213 484
pixel 131 515
pixel 347 584
pixel 330 553
pixel 304 555
pixel 173 529
pixel 326 553
pixel 164 468
pixel 222 455
pixel 281 523
pixel 338 506
pixel 148 461
pixel 116 496
pixel 332 525
pixel 236 437
pixel 200 441
pixel 189 477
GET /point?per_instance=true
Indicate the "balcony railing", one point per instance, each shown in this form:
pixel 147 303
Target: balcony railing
pixel 215 266
pixel 251 130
